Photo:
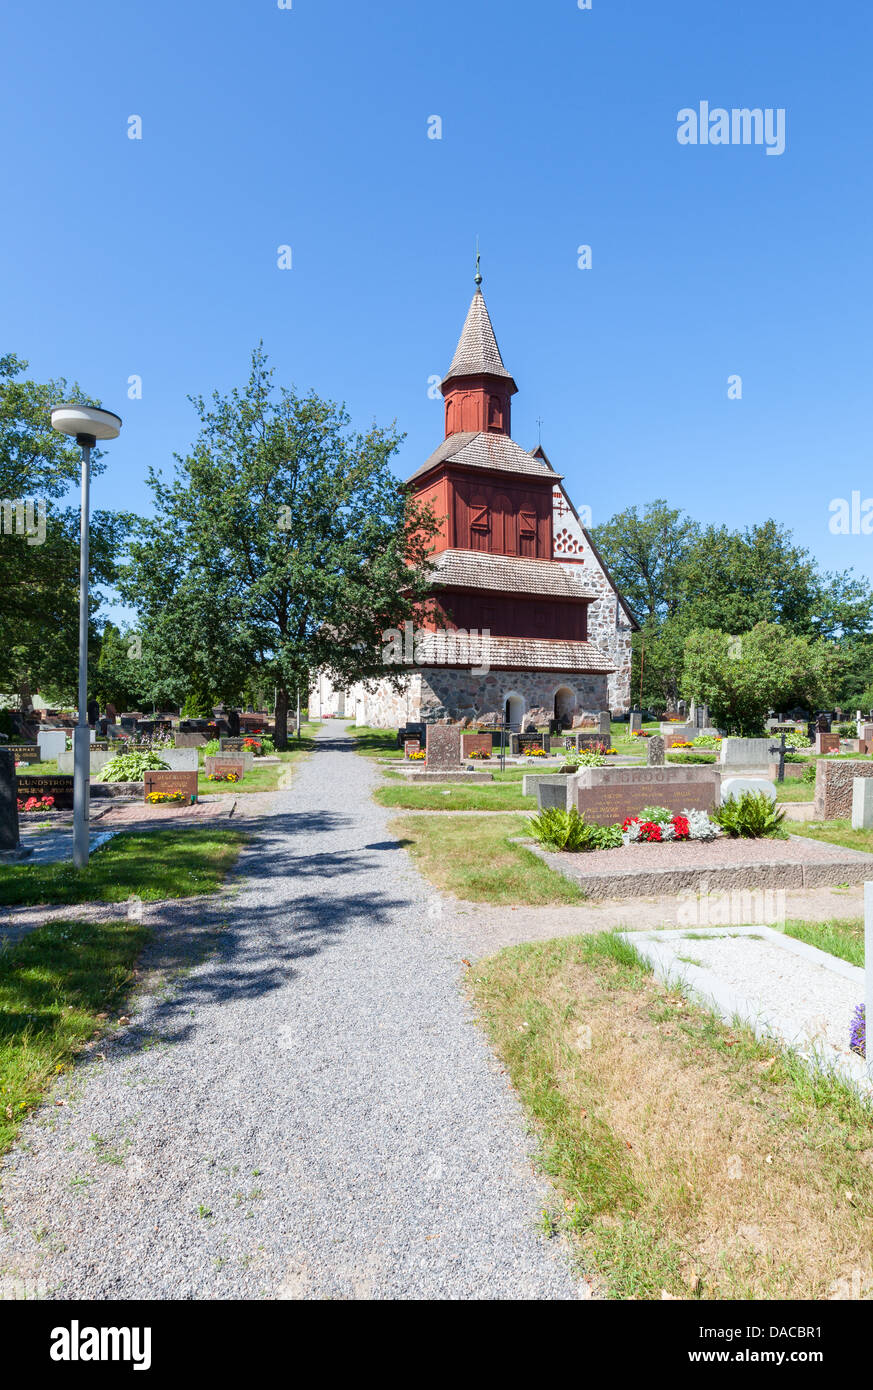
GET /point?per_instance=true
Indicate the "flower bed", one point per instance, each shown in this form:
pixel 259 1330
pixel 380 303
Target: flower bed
pixel 222 776
pixel 165 798
pixel 35 803
pixel 417 757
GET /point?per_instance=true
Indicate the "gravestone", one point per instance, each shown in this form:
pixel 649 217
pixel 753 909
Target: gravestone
pixel 443 747
pixel 410 746
pixel 745 752
pixel 226 762
pixel 25 752
pixel 522 743
pixel 635 721
pixel 480 743
pixel 736 786
pixel 605 724
pixel 54 785
pixel 827 743
pixel 9 837
pixel 582 739
pixel 833 788
pixel 862 803
pixel 608 795
pixel 51 742
pixel 225 765
pixel 655 751
pixel 231 745
pixel 185 782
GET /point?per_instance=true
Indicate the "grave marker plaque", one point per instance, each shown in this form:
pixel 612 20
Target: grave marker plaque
pixel 480 743
pixel 827 743
pixel 56 785
pixel 185 782
pixel 608 795
pixel 224 762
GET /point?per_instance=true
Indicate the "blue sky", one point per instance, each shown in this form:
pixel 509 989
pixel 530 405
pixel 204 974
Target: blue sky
pixel 308 127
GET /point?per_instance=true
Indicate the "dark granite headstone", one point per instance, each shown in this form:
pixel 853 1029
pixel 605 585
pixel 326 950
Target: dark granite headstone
pixel 8 802
pixel 57 785
pixel 233 723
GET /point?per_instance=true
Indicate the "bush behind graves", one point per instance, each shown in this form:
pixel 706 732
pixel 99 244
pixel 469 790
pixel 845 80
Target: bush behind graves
pixel 555 829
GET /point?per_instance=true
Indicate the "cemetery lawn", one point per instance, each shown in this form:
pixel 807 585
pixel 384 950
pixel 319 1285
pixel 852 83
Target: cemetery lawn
pixel 474 858
pixel 152 865
pixel 625 744
pixel 843 937
pixel 834 832
pixel 56 987
pixel 502 796
pixel 689 1158
pixel 376 743
pixel 795 790
pixel 46 769
pixel 261 778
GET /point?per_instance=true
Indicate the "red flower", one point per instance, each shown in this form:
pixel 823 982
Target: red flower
pixel 631 820
pixel 680 825
pixel 650 831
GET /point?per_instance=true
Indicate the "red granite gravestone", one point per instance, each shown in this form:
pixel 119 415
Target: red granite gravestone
pixel 443 747
pixel 410 746
pixel 185 782
pixel 608 795
pixel 479 743
pixel 225 762
pixel 225 765
pixel 827 743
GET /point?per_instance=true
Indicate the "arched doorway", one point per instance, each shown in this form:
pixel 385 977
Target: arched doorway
pixel 565 706
pixel 514 709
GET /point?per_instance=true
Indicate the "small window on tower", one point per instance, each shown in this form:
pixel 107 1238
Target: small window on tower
pixel 479 516
pixel 495 414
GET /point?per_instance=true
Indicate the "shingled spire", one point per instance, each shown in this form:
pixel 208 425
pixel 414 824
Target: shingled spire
pixel 477 386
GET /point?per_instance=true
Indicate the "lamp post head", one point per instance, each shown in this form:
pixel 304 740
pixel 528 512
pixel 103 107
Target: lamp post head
pixel 86 423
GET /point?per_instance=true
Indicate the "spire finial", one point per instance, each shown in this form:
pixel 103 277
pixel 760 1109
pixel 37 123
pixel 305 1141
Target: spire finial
pixel 540 427
pixel 478 276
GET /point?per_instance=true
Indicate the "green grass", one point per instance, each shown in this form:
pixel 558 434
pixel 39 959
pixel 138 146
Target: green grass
pixel 473 858
pixel 835 832
pixel 376 743
pixel 646 1105
pixel 263 778
pixel 47 769
pixel 843 937
pixel 152 865
pixel 794 789
pixel 54 987
pixel 502 796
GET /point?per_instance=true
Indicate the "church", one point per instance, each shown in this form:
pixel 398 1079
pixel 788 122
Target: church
pixel 512 562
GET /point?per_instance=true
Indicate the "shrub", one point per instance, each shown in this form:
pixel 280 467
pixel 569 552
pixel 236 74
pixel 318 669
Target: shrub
pixel 659 814
pixel 211 748
pixel 705 758
pixel 808 773
pixel 567 830
pixel 131 767
pixel 847 730
pixel 796 739
pixel 587 757
pixel 751 816
pixel 707 741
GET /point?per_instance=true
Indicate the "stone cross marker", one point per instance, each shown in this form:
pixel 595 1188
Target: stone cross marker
pixel 655 751
pixel 8 802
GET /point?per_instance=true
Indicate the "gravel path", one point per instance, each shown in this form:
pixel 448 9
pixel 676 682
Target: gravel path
pixel 312 1113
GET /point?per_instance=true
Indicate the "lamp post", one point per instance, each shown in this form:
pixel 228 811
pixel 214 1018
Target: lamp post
pixel 87 425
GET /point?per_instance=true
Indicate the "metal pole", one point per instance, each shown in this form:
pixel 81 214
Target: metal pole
pixel 81 734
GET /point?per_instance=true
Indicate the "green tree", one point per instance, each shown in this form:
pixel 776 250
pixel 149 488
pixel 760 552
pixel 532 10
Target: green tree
pixel 645 554
pixel 39 579
pixel 283 545
pixel 742 677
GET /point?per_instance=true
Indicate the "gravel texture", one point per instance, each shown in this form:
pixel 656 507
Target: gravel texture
pixel 310 1113
pixel 815 1002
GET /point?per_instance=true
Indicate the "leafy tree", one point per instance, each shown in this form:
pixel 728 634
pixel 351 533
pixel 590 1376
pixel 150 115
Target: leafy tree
pixel 39 582
pixel 645 555
pixel 283 545
pixel 742 677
